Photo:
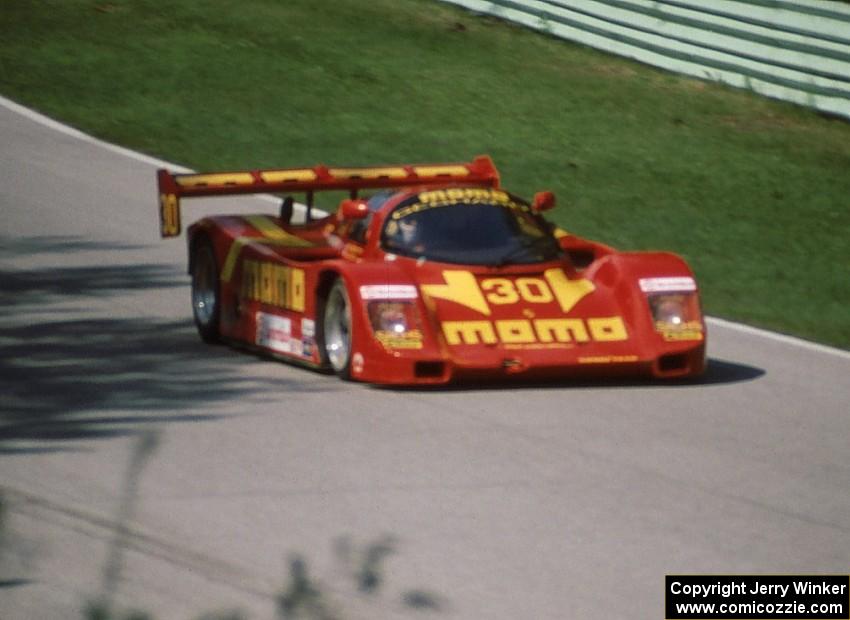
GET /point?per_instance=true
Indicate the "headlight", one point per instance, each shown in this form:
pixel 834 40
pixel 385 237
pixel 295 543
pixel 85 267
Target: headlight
pixel 676 316
pixel 395 324
pixel 674 305
pixel 670 309
pixel 390 316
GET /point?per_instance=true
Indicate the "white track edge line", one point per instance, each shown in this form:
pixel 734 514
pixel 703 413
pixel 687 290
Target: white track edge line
pixel 76 133
pixel 778 337
pixel 46 121
pixel 50 123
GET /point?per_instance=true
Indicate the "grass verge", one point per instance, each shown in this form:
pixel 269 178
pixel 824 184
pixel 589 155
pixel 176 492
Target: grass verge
pixel 754 193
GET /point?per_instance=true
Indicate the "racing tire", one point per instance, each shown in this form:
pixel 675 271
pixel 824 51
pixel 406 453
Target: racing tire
pixel 335 330
pixel 206 291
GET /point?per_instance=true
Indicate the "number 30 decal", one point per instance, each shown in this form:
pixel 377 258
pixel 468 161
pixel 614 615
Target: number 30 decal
pixel 462 288
pixel 503 291
pixel 169 215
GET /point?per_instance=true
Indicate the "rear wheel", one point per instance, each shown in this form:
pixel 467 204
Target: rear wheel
pixel 336 330
pixel 206 296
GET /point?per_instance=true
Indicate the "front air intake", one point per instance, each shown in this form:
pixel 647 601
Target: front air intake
pixel 673 363
pixel 428 370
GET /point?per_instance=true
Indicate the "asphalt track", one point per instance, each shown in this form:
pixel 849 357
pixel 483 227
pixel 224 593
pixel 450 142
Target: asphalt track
pixel 552 501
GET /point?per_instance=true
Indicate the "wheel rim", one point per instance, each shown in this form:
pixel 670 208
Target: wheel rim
pixel 204 289
pixel 337 327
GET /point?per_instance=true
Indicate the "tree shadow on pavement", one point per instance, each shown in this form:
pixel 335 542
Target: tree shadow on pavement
pixel 65 376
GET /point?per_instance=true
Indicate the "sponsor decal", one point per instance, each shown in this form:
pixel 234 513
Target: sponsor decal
pixel 274 284
pixel 405 340
pixel 369 292
pixel 530 332
pixel 461 287
pixel 169 215
pixel 608 359
pixel 434 199
pixel 667 285
pixel 274 332
pixel 675 332
pixel 308 337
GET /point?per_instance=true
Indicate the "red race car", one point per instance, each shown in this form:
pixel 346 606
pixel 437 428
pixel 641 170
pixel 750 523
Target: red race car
pixel 427 274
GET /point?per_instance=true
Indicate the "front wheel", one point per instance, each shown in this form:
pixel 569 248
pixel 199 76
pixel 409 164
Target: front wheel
pixel 206 302
pixel 336 330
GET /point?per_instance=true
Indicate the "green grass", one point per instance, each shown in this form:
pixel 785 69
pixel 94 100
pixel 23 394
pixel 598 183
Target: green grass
pixel 754 193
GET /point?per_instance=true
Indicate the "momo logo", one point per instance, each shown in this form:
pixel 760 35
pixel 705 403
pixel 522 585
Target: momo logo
pixel 538 331
pixel 461 287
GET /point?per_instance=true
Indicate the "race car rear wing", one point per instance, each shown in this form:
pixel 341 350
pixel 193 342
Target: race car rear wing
pixel 173 187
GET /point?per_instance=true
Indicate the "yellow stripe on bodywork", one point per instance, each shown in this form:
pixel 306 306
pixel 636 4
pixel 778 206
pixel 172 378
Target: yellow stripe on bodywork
pixel 560 233
pixel 436 171
pixel 287 176
pixel 272 235
pixel 368 173
pixel 223 178
pixel 272 231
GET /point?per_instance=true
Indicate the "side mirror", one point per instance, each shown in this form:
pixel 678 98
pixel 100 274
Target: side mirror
pixel 543 201
pixel 353 210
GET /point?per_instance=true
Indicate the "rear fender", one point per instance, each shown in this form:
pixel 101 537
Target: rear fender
pixel 203 229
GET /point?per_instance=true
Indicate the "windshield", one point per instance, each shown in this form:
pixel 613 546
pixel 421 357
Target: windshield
pixel 469 226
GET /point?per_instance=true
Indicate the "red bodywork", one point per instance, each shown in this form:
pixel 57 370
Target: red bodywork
pixel 592 311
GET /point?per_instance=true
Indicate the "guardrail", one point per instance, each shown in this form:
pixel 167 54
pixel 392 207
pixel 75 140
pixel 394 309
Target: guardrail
pixel 796 51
